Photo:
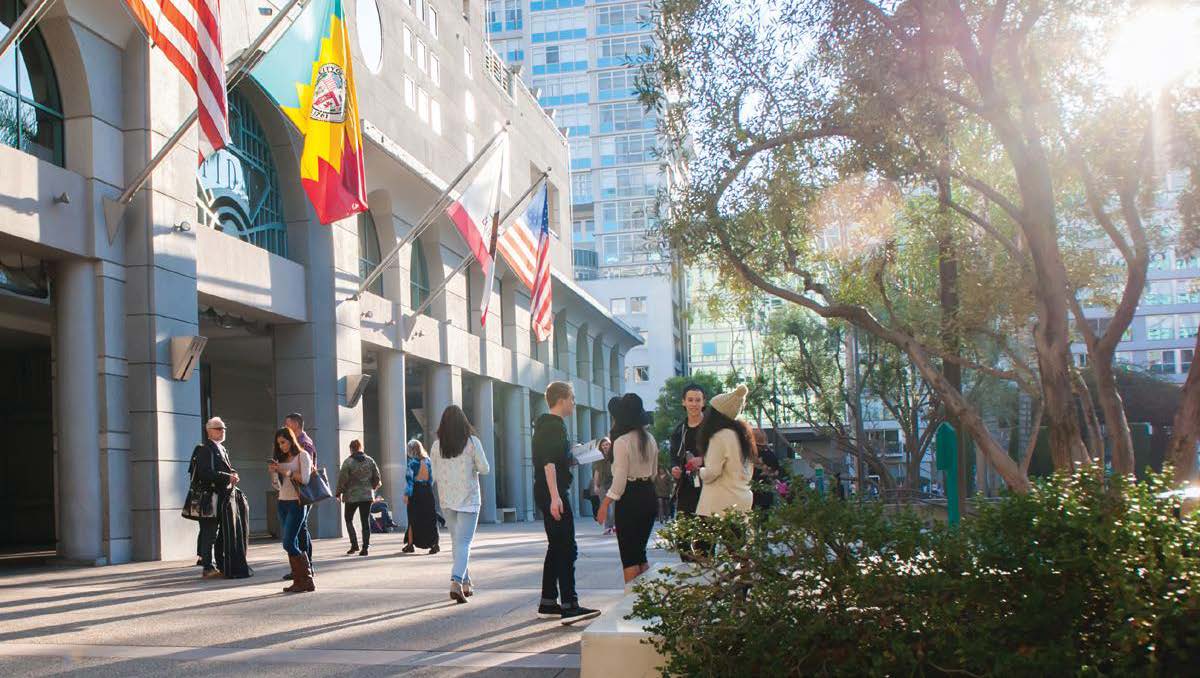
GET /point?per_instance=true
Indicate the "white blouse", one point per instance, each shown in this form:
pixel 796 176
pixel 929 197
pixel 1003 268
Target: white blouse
pixel 457 479
pixel 287 491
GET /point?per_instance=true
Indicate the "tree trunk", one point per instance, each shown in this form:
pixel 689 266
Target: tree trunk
pixel 970 422
pixel 1113 408
pixel 1185 431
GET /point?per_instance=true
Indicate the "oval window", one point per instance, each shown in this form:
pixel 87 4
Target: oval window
pixel 370 34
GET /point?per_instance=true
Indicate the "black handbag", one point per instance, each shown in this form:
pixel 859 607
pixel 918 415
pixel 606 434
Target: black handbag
pixel 315 490
pixel 201 500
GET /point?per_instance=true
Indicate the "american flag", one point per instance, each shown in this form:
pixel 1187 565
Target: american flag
pixel 189 34
pixel 529 259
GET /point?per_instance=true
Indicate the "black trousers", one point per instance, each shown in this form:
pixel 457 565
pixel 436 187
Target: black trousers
pixel 635 521
pixel 208 537
pixel 558 570
pixel 364 519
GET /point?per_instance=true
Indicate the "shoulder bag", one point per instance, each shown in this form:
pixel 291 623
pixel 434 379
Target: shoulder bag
pixel 201 500
pixel 315 490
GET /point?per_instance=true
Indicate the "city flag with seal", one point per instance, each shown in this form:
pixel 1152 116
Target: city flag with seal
pixel 309 76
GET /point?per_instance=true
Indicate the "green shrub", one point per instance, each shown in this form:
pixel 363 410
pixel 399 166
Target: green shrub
pixel 1074 578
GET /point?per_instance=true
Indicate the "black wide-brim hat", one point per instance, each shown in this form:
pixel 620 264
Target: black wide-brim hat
pixel 628 411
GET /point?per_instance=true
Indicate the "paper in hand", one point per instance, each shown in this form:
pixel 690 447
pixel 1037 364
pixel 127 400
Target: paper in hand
pixel 587 453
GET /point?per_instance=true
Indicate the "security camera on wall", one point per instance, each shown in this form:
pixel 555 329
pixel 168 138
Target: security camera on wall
pixel 356 385
pixel 185 355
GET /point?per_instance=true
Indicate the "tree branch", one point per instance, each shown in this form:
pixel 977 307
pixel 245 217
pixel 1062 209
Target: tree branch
pixel 995 196
pixel 991 230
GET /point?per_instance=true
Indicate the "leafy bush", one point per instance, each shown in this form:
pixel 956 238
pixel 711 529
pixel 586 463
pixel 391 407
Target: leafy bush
pixel 1075 578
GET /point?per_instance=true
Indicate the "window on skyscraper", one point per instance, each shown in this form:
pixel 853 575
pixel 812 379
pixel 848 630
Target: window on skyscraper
pixel 1187 291
pixel 618 307
pixel 1160 327
pixel 625 116
pixel 1189 324
pixel 637 304
pixel 627 215
pixel 562 91
pixel 629 182
pixel 627 18
pixel 560 58
pixel 504 15
pixel 619 84
pixel 1157 293
pixel 574 121
pixel 631 49
pixel 581 153
pixel 581 188
pixel 559 27
pixel 628 149
pixel 1161 362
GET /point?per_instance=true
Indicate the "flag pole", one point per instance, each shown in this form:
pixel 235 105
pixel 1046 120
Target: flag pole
pixel 24 23
pixel 114 210
pixel 427 218
pixel 467 260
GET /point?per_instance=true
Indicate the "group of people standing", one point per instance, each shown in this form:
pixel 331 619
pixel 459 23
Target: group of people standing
pixel 713 457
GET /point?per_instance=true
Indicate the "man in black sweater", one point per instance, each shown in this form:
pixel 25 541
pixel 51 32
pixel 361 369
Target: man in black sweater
pixel 683 447
pixel 551 478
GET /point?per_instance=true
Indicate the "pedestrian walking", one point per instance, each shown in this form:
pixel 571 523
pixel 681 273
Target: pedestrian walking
pixel 418 497
pixel 212 470
pixel 635 464
pixel 551 480
pixel 357 481
pixel 458 459
pixel 291 465
pixel 729 456
pixel 294 422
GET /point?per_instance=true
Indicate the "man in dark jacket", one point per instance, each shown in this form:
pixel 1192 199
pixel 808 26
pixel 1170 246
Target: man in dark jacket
pixel 551 478
pixel 211 467
pixel 683 447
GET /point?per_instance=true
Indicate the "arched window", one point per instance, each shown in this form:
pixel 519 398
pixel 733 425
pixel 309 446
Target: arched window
pixel 239 187
pixel 598 362
pixel 560 343
pixel 614 371
pixel 368 251
pixel 31 117
pixel 581 352
pixel 418 275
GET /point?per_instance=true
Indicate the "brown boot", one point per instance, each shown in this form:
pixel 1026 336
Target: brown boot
pixel 301 579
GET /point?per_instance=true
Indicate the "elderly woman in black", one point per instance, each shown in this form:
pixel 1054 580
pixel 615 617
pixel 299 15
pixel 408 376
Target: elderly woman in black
pixel 635 463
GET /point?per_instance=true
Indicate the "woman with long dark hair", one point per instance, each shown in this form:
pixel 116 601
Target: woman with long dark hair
pixel 290 466
pixel 635 463
pixel 458 460
pixel 422 518
pixel 729 454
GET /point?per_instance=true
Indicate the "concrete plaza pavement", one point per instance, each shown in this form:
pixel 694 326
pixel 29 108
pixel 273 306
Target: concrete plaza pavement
pixel 380 615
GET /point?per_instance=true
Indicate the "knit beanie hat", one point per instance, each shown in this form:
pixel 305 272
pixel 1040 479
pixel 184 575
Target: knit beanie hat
pixel 730 404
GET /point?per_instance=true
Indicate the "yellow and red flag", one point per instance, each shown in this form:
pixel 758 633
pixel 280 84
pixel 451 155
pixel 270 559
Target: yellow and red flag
pixel 309 76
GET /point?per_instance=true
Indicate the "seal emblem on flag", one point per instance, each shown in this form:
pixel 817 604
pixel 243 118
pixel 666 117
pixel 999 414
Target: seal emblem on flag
pixel 329 95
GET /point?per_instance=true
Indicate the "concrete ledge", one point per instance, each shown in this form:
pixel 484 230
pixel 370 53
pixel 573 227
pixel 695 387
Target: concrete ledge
pixel 615 646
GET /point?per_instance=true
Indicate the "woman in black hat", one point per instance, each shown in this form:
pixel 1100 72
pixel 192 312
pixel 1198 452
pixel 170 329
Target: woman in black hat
pixel 635 463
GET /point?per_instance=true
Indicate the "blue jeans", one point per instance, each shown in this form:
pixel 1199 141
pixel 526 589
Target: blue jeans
pixel 462 531
pixel 291 519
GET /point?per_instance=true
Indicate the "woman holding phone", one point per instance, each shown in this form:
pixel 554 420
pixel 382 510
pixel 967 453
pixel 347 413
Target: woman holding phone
pixel 290 465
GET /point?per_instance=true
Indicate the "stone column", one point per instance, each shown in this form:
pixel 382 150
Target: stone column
pixel 518 441
pixel 393 429
pixel 583 480
pixel 485 425
pixel 78 417
pixel 445 389
pixel 571 495
pixel 114 412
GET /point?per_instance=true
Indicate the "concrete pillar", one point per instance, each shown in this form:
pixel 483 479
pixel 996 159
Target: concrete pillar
pixel 160 303
pixel 485 426
pixel 445 389
pixel 114 412
pixel 518 441
pixel 78 417
pixel 583 480
pixel 393 425
pixel 599 423
pixel 571 495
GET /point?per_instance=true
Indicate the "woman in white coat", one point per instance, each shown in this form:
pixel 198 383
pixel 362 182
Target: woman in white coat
pixel 729 454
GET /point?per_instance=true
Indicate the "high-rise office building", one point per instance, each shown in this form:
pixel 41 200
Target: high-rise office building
pixel 581 59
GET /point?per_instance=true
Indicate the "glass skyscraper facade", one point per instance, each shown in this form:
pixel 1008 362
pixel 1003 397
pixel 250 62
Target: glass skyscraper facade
pixel 581 59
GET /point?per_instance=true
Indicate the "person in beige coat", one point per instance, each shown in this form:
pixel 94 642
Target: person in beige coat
pixel 729 453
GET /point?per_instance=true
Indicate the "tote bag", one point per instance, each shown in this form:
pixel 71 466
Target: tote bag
pixel 315 490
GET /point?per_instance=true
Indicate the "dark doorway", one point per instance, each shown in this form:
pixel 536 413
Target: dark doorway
pixel 27 520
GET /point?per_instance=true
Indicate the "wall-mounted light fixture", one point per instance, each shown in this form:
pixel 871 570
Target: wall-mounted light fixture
pixel 182 227
pixel 63 198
